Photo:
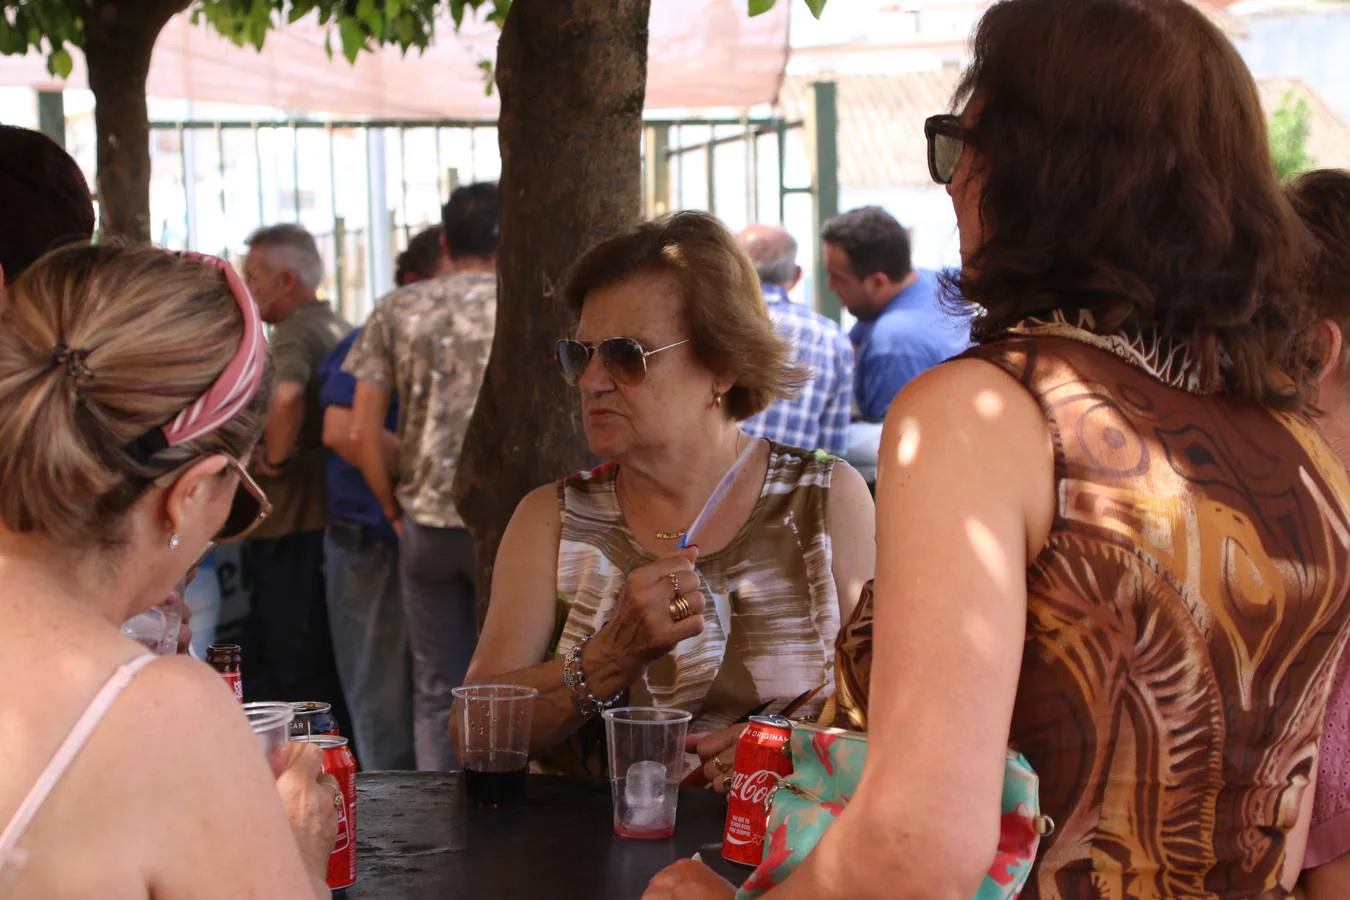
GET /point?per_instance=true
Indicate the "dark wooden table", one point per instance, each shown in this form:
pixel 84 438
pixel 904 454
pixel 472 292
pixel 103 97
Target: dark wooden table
pixel 419 840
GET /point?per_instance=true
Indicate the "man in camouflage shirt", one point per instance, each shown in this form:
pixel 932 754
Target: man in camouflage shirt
pixel 429 343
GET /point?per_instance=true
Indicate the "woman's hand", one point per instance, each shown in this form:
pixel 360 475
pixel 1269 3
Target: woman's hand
pixel 310 799
pixel 717 751
pixel 688 880
pixel 643 627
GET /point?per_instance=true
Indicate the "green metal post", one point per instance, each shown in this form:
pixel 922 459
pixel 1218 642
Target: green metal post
pixel 782 167
pixel 712 170
pixel 51 110
pixel 823 130
pixel 339 229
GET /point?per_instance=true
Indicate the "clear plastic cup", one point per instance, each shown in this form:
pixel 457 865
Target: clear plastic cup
pixel 271 722
pixel 493 740
pixel 157 628
pixel 646 762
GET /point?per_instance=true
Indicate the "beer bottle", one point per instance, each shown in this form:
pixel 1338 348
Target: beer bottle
pixel 225 659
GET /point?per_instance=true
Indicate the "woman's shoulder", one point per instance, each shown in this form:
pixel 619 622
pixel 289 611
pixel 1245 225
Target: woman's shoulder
pixel 796 467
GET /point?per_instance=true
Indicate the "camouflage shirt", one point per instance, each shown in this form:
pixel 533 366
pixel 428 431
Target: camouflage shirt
pixel 429 343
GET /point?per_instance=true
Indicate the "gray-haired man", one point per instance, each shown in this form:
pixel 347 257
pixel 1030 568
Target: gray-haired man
pixel 289 649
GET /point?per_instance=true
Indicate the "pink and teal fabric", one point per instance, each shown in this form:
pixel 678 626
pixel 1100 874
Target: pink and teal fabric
pixel 827 764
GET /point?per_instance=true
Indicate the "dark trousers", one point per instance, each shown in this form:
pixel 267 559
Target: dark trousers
pixel 288 646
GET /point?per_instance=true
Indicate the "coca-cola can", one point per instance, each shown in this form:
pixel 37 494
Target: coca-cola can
pixel 339 762
pixel 762 758
pixel 311 718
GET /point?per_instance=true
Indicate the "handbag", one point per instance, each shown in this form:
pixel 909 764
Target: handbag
pixel 826 766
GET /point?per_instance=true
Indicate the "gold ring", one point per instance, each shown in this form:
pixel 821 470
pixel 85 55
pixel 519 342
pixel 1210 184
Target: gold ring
pixel 338 800
pixel 674 582
pixel 679 609
pixel 719 765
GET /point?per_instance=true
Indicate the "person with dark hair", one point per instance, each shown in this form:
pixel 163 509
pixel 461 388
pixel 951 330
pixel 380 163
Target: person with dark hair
pixel 287 639
pixel 817 416
pixel 424 258
pixel 1110 536
pixel 902 328
pixel 44 200
pixel 429 343
pixel 593 598
pixel 1322 199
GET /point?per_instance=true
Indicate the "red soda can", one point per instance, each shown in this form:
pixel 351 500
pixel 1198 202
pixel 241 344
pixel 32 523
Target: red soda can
pixel 339 762
pixel 762 757
pixel 313 718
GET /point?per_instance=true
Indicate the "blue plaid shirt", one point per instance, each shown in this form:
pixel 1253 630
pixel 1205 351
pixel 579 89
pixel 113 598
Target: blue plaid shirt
pixel 817 418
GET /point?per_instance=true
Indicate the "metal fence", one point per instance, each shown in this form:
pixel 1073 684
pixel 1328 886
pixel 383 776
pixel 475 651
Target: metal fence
pixel 364 188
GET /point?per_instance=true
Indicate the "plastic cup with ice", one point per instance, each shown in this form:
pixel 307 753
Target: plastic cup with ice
pixel 646 759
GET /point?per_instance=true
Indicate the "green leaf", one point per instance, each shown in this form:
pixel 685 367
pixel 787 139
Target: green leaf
pixel 816 6
pixel 353 39
pixel 760 7
pixel 369 14
pixel 457 13
pixel 407 29
pixel 328 43
pixel 488 76
pixel 500 8
pixel 59 63
pixel 299 9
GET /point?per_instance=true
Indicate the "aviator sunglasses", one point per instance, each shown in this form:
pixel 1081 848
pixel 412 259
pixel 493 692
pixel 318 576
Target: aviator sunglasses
pixel 623 358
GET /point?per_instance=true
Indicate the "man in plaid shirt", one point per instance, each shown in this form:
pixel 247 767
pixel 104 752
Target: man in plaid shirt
pixel 817 418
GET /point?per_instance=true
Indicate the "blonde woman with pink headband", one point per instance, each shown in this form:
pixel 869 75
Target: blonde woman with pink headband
pixel 132 391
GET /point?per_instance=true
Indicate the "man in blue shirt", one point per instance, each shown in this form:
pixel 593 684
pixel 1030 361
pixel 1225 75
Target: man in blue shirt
pixel 902 328
pixel 817 417
pixel 365 610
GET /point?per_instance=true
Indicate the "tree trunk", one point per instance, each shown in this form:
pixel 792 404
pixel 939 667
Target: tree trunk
pixel 572 77
pixel 119 38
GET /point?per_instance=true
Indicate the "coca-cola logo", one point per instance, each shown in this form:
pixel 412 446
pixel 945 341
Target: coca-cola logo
pixel 753 788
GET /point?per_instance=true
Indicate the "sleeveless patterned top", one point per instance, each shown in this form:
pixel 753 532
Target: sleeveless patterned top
pixel 772 606
pixel 1183 622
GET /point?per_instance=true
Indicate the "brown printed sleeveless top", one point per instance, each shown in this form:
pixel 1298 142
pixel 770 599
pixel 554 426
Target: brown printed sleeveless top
pixel 1183 622
pixel 772 605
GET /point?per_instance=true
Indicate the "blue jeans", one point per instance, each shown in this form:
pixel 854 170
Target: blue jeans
pixel 436 570
pixel 370 642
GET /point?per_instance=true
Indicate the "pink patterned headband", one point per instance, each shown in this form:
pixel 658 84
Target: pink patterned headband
pixel 232 390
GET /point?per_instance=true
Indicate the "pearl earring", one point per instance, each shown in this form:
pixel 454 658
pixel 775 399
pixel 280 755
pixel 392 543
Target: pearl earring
pixel 173 541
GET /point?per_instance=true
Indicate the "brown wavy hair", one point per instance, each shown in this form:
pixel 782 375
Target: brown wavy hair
pixel 729 327
pixel 1127 174
pixel 1322 199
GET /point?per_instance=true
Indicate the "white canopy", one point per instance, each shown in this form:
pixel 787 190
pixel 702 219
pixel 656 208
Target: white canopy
pixel 704 54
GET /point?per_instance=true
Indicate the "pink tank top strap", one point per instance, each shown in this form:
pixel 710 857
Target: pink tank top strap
pixel 65 755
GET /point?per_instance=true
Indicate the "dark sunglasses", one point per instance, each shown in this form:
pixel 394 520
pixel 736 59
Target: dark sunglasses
pixel 623 358
pixel 947 139
pixel 248 508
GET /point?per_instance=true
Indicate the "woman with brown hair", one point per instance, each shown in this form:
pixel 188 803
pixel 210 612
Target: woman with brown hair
pixel 591 597
pixel 132 392
pixel 1109 535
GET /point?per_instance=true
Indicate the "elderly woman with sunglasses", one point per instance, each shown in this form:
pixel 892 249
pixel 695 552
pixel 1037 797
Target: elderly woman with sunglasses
pixel 593 601
pixel 133 382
